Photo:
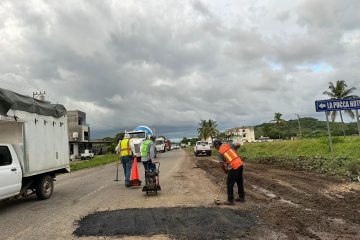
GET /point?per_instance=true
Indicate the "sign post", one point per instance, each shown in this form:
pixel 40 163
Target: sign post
pixel 337 105
pixel 357 119
pixel 329 134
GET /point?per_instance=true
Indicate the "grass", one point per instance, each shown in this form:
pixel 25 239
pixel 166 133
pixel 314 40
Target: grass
pixel 96 161
pixel 308 154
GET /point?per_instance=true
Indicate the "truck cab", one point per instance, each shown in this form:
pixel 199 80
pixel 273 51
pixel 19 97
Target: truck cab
pixel 137 138
pixel 10 172
pixel 160 144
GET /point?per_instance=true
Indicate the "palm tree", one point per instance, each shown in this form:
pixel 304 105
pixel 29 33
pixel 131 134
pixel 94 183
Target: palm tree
pixel 340 91
pixel 203 130
pixel 213 132
pixel 278 121
pixel 207 129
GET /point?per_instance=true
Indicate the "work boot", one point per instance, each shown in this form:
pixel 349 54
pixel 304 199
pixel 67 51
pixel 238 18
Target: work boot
pixel 240 199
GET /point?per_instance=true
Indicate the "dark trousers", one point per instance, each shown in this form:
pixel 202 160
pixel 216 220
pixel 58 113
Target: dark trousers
pixel 235 176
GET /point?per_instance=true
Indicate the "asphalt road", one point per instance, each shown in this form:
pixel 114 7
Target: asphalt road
pixel 80 193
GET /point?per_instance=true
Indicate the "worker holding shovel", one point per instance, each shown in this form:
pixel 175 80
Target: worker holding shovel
pixel 233 166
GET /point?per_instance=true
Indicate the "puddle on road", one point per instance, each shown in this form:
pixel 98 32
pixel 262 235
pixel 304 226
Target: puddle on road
pixel 264 191
pixel 178 223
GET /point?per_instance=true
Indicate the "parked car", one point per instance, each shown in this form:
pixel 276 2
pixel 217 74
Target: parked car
pixel 88 154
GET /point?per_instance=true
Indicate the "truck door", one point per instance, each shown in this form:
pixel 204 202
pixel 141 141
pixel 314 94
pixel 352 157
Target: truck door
pixel 10 174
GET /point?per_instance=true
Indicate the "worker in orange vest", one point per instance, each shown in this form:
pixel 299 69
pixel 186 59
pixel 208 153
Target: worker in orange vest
pixel 233 165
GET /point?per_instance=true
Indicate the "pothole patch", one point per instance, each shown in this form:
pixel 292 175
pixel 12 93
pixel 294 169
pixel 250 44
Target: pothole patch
pixel 178 222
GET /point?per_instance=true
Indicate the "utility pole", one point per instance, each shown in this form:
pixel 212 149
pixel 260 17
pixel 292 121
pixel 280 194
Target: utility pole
pixel 299 124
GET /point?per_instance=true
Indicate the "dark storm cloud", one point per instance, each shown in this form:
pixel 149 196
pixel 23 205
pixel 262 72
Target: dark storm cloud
pixel 168 64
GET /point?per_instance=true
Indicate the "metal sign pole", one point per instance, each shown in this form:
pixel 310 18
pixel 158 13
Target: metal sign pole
pixel 329 133
pixel 357 120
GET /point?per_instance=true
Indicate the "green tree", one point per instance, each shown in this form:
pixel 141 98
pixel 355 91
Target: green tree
pixel 340 91
pixel 207 129
pixel 184 140
pixel 278 121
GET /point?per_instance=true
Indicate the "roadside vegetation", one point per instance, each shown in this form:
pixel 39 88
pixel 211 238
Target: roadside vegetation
pixel 308 154
pixel 96 161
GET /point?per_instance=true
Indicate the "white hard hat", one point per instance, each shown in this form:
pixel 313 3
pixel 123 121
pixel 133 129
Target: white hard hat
pixel 126 135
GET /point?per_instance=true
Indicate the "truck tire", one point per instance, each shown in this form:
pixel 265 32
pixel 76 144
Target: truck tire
pixel 44 187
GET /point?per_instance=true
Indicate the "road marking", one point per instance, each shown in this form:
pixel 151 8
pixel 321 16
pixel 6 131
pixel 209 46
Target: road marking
pixel 87 195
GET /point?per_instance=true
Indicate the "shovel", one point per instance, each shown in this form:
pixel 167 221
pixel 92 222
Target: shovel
pixel 217 200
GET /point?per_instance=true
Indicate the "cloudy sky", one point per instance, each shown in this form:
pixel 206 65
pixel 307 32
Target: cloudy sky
pixel 169 64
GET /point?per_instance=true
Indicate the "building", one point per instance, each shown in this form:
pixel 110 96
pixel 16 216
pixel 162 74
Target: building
pixel 241 134
pixel 77 127
pixel 79 132
pixel 79 136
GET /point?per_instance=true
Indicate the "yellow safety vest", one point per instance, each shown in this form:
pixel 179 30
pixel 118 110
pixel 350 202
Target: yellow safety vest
pixel 125 149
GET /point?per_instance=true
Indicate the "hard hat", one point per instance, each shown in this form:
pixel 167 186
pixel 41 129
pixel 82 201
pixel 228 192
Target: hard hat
pixel 126 135
pixel 217 143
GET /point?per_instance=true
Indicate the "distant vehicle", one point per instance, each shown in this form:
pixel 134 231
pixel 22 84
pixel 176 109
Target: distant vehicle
pixel 34 145
pixel 88 154
pixel 175 146
pixel 168 145
pixel 160 144
pixel 202 147
pixel 183 145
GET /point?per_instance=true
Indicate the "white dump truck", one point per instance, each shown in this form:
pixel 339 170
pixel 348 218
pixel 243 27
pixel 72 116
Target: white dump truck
pixel 137 136
pixel 33 145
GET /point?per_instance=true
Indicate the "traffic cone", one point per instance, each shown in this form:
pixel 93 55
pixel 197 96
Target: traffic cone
pixel 134 181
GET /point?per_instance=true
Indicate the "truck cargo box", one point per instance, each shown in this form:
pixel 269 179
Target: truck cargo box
pixel 40 142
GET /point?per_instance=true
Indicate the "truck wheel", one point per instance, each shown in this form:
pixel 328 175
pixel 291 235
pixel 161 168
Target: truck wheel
pixel 44 187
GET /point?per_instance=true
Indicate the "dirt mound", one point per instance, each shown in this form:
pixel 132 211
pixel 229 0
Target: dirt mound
pixel 179 223
pixel 299 204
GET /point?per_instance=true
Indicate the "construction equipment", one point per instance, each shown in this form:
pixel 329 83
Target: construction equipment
pixel 217 200
pixel 152 184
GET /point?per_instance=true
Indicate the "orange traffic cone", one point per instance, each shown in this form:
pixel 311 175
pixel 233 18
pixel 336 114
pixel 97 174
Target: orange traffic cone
pixel 134 181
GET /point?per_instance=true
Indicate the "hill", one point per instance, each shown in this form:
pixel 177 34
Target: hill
pixel 310 127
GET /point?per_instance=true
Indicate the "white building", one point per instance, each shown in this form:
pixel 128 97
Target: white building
pixel 241 134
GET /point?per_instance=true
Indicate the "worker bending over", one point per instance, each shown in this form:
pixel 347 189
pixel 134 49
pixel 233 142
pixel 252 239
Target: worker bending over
pixel 233 165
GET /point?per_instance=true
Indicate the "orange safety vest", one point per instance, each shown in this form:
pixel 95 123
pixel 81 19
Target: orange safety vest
pixel 231 156
pixel 125 149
